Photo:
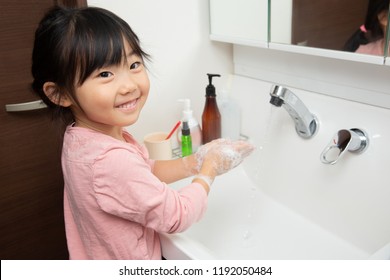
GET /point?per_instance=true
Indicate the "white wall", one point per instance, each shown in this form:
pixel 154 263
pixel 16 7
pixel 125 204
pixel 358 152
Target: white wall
pixel 176 34
pixel 357 81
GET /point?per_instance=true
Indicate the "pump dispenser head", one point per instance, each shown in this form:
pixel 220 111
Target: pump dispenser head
pixel 210 89
pixel 187 112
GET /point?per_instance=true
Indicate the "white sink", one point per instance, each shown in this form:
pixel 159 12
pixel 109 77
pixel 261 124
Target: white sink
pixel 242 222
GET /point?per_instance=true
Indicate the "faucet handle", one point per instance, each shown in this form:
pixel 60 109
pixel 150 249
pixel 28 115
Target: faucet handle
pixel 354 140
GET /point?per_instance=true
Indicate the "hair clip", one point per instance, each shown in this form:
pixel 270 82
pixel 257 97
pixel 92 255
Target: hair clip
pixel 363 28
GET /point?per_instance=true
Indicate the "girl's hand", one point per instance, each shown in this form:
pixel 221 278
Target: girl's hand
pixel 221 155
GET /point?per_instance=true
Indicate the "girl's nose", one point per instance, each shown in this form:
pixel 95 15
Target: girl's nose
pixel 128 84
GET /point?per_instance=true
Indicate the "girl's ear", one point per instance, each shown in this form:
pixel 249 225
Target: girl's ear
pixel 52 92
pixel 382 18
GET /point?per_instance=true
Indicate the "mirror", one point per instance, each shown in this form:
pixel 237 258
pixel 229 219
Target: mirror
pixel 328 24
pixel 387 45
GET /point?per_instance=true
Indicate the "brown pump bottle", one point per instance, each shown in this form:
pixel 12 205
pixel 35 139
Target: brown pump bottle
pixel 211 118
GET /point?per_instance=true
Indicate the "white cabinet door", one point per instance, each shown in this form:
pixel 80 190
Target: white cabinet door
pixel 242 22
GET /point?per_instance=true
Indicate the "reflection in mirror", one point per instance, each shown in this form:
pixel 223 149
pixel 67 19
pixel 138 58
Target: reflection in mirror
pixel 326 24
pixel 370 38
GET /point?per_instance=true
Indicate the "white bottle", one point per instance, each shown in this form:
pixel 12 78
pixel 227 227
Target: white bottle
pixel 230 115
pixel 195 131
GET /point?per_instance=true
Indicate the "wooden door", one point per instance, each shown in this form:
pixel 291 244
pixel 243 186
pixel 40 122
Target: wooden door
pixel 31 194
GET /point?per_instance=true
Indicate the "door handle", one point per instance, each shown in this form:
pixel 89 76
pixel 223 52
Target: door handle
pixel 27 106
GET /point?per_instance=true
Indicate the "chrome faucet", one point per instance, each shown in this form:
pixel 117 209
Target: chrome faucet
pixel 354 140
pixel 306 124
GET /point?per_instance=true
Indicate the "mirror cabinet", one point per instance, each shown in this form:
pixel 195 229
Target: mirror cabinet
pixel 319 27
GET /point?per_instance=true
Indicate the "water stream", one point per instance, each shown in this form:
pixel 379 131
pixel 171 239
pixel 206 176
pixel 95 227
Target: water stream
pixel 255 166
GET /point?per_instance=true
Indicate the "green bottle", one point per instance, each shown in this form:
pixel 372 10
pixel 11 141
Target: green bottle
pixel 186 141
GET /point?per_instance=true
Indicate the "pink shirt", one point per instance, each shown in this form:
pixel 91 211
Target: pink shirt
pixel 114 206
pixel 373 48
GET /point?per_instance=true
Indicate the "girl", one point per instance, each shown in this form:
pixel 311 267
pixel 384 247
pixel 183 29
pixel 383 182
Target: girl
pixel 88 67
pixel 370 37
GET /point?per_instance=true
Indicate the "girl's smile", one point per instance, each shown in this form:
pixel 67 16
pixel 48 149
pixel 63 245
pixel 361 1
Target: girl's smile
pixel 128 106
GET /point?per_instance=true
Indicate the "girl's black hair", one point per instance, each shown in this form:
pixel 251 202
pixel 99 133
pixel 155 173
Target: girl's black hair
pixel 372 25
pixel 71 43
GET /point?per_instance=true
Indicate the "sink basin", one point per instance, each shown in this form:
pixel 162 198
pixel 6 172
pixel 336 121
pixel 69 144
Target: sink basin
pixel 283 202
pixel 243 222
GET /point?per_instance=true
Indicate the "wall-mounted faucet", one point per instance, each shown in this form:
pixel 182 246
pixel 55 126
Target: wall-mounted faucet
pixel 306 124
pixel 354 140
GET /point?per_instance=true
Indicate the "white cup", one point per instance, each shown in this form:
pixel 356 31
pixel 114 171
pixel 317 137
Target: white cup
pixel 158 147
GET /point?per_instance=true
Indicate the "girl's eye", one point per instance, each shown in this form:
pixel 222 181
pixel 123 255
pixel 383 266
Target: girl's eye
pixel 135 65
pixel 105 74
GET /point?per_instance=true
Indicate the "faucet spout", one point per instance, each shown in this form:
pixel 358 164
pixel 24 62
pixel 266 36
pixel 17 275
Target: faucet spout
pixel 306 124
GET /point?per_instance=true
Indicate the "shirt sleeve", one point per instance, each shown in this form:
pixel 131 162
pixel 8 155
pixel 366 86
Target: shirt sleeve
pixel 124 186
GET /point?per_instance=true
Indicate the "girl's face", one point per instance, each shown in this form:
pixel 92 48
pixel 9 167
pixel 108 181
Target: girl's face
pixel 112 97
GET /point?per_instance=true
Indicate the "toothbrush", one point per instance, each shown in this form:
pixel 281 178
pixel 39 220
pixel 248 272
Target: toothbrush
pixel 173 130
